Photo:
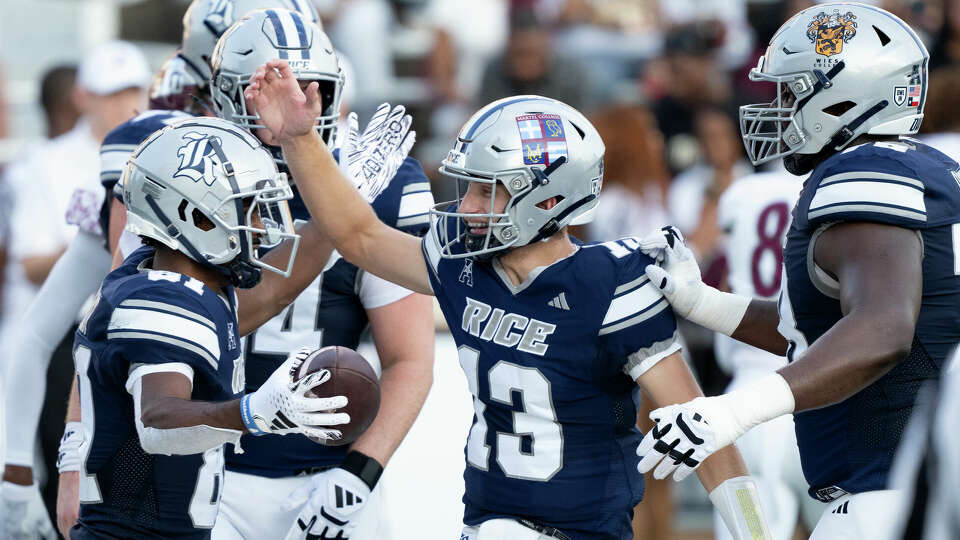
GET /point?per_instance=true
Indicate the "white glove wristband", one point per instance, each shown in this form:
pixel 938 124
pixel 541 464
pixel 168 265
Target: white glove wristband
pixel 68 457
pixel 738 503
pixel 719 311
pixel 762 400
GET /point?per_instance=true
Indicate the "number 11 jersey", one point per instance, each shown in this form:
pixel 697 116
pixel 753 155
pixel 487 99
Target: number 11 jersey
pixel 551 364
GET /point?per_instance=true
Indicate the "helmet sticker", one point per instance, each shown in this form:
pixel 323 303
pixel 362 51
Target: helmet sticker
pixel 828 33
pixel 198 158
pixel 542 137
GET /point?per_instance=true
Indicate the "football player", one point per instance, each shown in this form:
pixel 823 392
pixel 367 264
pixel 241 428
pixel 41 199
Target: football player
pixel 180 85
pixel 870 307
pixel 754 212
pixel 553 336
pixel 158 358
pixel 334 310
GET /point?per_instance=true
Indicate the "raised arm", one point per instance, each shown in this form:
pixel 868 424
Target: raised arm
pixel 342 213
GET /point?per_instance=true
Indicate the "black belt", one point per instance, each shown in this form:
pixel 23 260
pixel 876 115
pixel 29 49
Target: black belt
pixel 310 471
pixel 829 493
pixel 551 532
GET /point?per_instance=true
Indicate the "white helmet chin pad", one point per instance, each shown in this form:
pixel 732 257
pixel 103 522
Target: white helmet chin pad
pixel 537 149
pixel 840 70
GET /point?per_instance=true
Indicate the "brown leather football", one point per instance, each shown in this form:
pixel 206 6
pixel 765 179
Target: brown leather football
pixel 351 375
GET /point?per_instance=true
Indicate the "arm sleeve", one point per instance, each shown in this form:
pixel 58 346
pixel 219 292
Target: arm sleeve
pixel 377 292
pixel 74 277
pixel 638 328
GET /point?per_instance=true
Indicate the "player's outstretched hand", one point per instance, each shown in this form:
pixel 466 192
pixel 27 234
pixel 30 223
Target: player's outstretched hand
pixel 22 513
pixel 285 109
pixel 372 158
pixel 329 503
pixel 281 406
pixel 677 274
pixel 679 441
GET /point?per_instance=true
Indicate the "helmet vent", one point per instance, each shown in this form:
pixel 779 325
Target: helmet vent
pixel 496 148
pixel 839 109
pixel 152 188
pixel 884 39
pixel 181 210
pixel 579 130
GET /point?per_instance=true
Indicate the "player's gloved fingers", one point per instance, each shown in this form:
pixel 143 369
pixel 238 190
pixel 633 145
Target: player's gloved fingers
pixel 371 132
pixel 649 460
pixel 407 144
pixel 325 419
pixel 316 404
pixel 661 279
pixel 682 472
pixel 663 470
pixel 653 242
pixel 321 434
pixel 312 381
pixel 646 444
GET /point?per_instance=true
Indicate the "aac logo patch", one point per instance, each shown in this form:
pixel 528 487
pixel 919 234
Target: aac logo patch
pixel 198 158
pixel 828 33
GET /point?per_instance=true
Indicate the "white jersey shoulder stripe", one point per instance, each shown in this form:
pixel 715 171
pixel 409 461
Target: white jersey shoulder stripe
pixel 431 246
pixel 870 175
pixel 874 196
pixel 172 340
pixel 629 304
pixel 416 187
pixel 163 306
pixel 641 316
pixel 167 327
pixel 415 204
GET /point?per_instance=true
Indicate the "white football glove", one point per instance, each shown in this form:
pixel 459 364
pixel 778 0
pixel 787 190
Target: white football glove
pixel 677 276
pixel 331 501
pixel 22 513
pixel 371 159
pixel 280 407
pixel 688 433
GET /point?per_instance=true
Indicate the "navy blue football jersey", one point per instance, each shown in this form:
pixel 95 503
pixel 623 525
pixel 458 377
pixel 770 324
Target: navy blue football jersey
pixel 551 364
pixel 329 311
pixel 117 146
pixel 849 446
pixel 146 321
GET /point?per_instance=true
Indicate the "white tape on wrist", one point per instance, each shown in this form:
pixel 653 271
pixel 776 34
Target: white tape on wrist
pixel 764 399
pixel 719 311
pixel 738 503
pixel 68 457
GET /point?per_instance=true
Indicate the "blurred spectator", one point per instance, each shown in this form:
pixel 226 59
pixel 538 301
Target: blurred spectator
pixel 734 36
pixel 941 115
pixel 694 193
pixel 946 49
pixel 3 109
pixel 57 100
pixel 633 198
pixel 361 30
pixel 688 77
pixel 924 16
pixel 530 66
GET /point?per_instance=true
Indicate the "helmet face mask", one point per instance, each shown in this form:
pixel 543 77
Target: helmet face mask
pixel 530 149
pixel 218 205
pixel 846 70
pixel 275 34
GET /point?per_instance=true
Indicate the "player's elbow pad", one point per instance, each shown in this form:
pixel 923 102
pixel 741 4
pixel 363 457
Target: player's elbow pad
pixel 184 440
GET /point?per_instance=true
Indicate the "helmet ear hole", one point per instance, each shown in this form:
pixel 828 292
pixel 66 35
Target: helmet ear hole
pixel 201 221
pixel 839 109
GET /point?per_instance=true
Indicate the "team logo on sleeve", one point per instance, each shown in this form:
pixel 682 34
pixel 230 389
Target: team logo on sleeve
pixel 828 33
pixel 198 158
pixel 542 138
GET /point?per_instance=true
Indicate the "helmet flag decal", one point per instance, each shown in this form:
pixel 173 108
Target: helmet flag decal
pixel 198 158
pixel 542 138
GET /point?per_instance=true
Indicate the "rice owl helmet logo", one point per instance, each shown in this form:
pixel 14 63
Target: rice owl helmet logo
pixel 198 158
pixel 830 32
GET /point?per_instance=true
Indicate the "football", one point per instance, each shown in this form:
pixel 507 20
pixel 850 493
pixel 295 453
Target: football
pixel 351 375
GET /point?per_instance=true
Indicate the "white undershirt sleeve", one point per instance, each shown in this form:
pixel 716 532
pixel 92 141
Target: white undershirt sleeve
pixel 376 292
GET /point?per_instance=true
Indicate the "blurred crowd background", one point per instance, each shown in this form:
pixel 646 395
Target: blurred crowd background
pixel 660 79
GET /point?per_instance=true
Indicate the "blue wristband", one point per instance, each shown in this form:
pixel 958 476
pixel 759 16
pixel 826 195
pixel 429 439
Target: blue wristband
pixel 248 418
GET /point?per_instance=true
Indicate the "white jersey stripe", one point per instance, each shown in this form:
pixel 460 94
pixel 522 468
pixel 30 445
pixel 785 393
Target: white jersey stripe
pixel 416 187
pixel 632 303
pixel 174 326
pixel 877 209
pixel 172 340
pixel 865 175
pixel 654 310
pixel 866 193
pixel 415 204
pixel 163 306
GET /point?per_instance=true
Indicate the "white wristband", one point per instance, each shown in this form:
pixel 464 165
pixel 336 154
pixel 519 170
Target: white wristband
pixel 718 310
pixel 763 399
pixel 68 457
pixel 738 503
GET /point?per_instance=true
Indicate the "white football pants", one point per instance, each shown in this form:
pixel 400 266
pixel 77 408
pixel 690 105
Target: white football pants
pixel 500 529
pixel 252 508
pixel 861 516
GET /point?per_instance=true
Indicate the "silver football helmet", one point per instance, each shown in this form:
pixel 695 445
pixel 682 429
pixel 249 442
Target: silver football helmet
pixel 206 20
pixel 272 34
pixel 194 187
pixel 537 148
pixel 841 70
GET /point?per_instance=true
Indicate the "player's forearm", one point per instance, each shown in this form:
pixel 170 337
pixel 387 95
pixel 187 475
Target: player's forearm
pixel 73 404
pixel 859 349
pixel 38 267
pixel 275 292
pixel 724 464
pixel 759 327
pixel 172 413
pixel 404 388
pixel 333 201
